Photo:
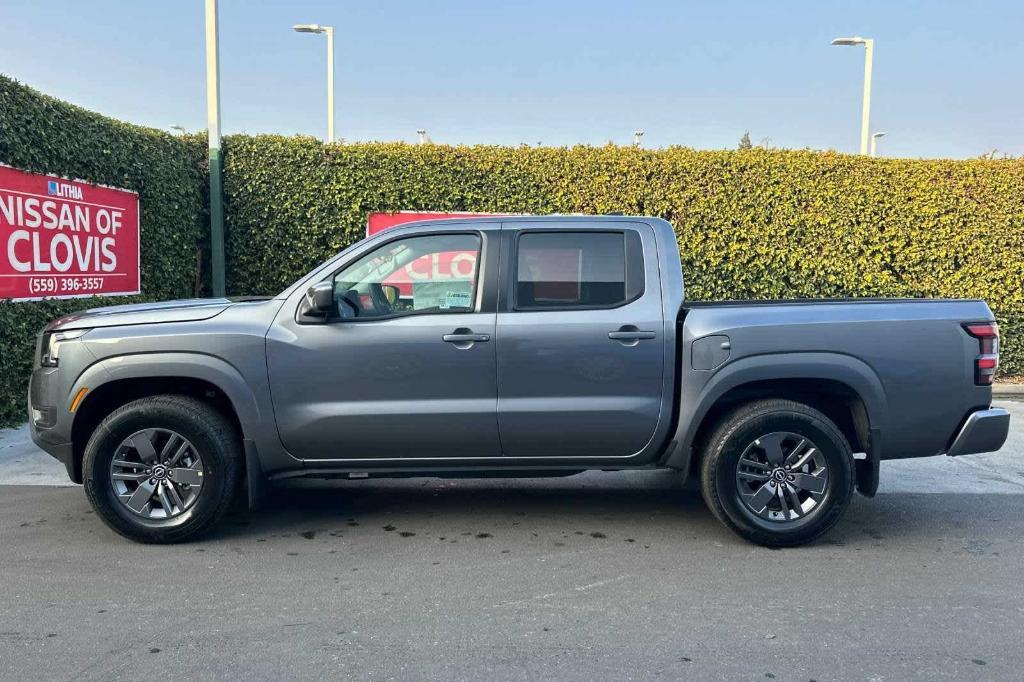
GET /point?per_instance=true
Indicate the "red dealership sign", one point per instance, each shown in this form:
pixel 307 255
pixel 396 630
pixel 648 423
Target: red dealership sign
pixel 63 238
pixel 378 222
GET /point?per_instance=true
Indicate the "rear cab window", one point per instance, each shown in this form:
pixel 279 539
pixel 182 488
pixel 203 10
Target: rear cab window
pixel 577 270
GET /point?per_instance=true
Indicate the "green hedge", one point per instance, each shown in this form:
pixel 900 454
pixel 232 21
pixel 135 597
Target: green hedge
pixel 751 224
pixel 42 134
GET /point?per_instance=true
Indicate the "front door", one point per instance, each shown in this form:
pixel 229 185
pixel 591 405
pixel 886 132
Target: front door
pixel 580 341
pixel 405 368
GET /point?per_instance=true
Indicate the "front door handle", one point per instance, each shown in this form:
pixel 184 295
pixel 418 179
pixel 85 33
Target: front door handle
pixel 464 338
pixel 629 335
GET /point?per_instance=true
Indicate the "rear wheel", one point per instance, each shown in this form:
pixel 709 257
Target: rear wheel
pixel 777 472
pixel 162 469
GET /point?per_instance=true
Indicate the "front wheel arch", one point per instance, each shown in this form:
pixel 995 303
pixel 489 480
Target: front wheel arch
pixel 106 398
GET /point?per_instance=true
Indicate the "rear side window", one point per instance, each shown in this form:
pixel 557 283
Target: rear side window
pixel 565 270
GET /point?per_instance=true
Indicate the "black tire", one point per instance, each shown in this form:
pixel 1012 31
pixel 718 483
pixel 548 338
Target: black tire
pixel 741 429
pixel 213 438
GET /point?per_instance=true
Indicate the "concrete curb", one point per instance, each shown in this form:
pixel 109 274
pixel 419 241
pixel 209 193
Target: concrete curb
pixel 1008 390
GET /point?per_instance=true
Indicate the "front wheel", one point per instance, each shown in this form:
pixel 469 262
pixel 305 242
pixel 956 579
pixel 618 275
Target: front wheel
pixel 777 472
pixel 162 469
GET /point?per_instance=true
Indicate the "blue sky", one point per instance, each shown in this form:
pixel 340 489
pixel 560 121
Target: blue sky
pixel 948 75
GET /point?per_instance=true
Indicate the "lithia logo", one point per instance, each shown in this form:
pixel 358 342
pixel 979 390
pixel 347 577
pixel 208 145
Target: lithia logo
pixel 63 189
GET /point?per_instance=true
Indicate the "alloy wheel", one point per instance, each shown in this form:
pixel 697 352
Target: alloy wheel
pixel 782 477
pixel 156 474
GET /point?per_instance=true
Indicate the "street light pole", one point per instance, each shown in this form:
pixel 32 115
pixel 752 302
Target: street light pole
pixel 329 32
pixel 213 125
pixel 865 115
pixel 874 143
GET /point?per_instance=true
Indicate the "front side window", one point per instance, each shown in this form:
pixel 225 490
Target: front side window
pixel 428 274
pixel 560 270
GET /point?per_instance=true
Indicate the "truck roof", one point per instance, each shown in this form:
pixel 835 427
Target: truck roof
pixel 548 218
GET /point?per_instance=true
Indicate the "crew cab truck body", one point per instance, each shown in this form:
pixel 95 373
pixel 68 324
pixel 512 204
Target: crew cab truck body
pixel 518 346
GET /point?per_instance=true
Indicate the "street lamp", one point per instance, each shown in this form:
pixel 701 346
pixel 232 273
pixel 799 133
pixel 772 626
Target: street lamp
pixel 329 30
pixel 637 134
pixel 424 138
pixel 179 129
pixel 869 48
pixel 874 143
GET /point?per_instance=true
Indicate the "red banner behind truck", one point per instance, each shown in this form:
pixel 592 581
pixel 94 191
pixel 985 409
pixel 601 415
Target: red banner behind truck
pixel 63 238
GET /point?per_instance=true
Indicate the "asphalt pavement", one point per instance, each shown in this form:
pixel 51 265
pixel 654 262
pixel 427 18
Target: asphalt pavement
pixel 597 576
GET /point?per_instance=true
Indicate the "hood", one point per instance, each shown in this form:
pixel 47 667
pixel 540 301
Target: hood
pixel 185 310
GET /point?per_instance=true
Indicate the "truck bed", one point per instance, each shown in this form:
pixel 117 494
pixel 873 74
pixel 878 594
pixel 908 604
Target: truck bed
pixel 912 358
pixel 818 301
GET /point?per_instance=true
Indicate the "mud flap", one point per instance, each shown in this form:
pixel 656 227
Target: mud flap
pixel 255 483
pixel 866 470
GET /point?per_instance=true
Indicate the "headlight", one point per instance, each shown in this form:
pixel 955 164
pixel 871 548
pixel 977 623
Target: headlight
pixel 51 345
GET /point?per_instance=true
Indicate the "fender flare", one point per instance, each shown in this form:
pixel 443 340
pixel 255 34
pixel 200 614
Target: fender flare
pixel 189 365
pixel 845 369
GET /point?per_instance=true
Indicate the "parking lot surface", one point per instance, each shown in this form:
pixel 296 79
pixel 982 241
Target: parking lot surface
pixel 596 576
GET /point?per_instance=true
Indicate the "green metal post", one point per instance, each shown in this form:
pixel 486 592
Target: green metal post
pixel 216 178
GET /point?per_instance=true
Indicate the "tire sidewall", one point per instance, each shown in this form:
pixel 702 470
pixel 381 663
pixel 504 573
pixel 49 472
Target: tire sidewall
pixel 828 441
pixel 146 414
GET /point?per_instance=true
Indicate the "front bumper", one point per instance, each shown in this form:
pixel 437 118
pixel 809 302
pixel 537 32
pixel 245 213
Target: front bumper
pixel 63 452
pixel 983 431
pixel 48 425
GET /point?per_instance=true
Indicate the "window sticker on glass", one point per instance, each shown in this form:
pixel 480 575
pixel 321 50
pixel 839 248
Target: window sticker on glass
pixel 456 299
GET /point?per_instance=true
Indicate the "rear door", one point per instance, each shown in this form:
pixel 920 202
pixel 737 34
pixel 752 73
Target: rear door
pixel 580 353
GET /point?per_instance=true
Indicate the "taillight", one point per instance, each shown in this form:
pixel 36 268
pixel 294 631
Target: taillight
pixel 987 361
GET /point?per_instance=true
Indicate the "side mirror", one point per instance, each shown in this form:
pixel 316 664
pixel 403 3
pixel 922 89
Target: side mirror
pixel 319 300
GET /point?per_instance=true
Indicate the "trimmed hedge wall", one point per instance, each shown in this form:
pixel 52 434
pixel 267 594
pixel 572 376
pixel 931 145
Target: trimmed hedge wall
pixel 751 224
pixel 42 134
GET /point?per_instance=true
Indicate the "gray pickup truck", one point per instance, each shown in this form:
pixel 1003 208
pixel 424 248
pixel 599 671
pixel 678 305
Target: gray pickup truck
pixel 515 346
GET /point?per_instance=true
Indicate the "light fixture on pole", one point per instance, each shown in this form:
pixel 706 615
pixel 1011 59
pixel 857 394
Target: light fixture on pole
pixel 869 49
pixel 424 138
pixel 329 32
pixel 637 135
pixel 874 143
pixel 178 129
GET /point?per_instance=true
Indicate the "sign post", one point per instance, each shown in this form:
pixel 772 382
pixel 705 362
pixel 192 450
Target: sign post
pixel 63 238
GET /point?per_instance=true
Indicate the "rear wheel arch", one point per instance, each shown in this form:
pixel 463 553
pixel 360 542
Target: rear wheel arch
pixel 838 401
pixel 843 387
